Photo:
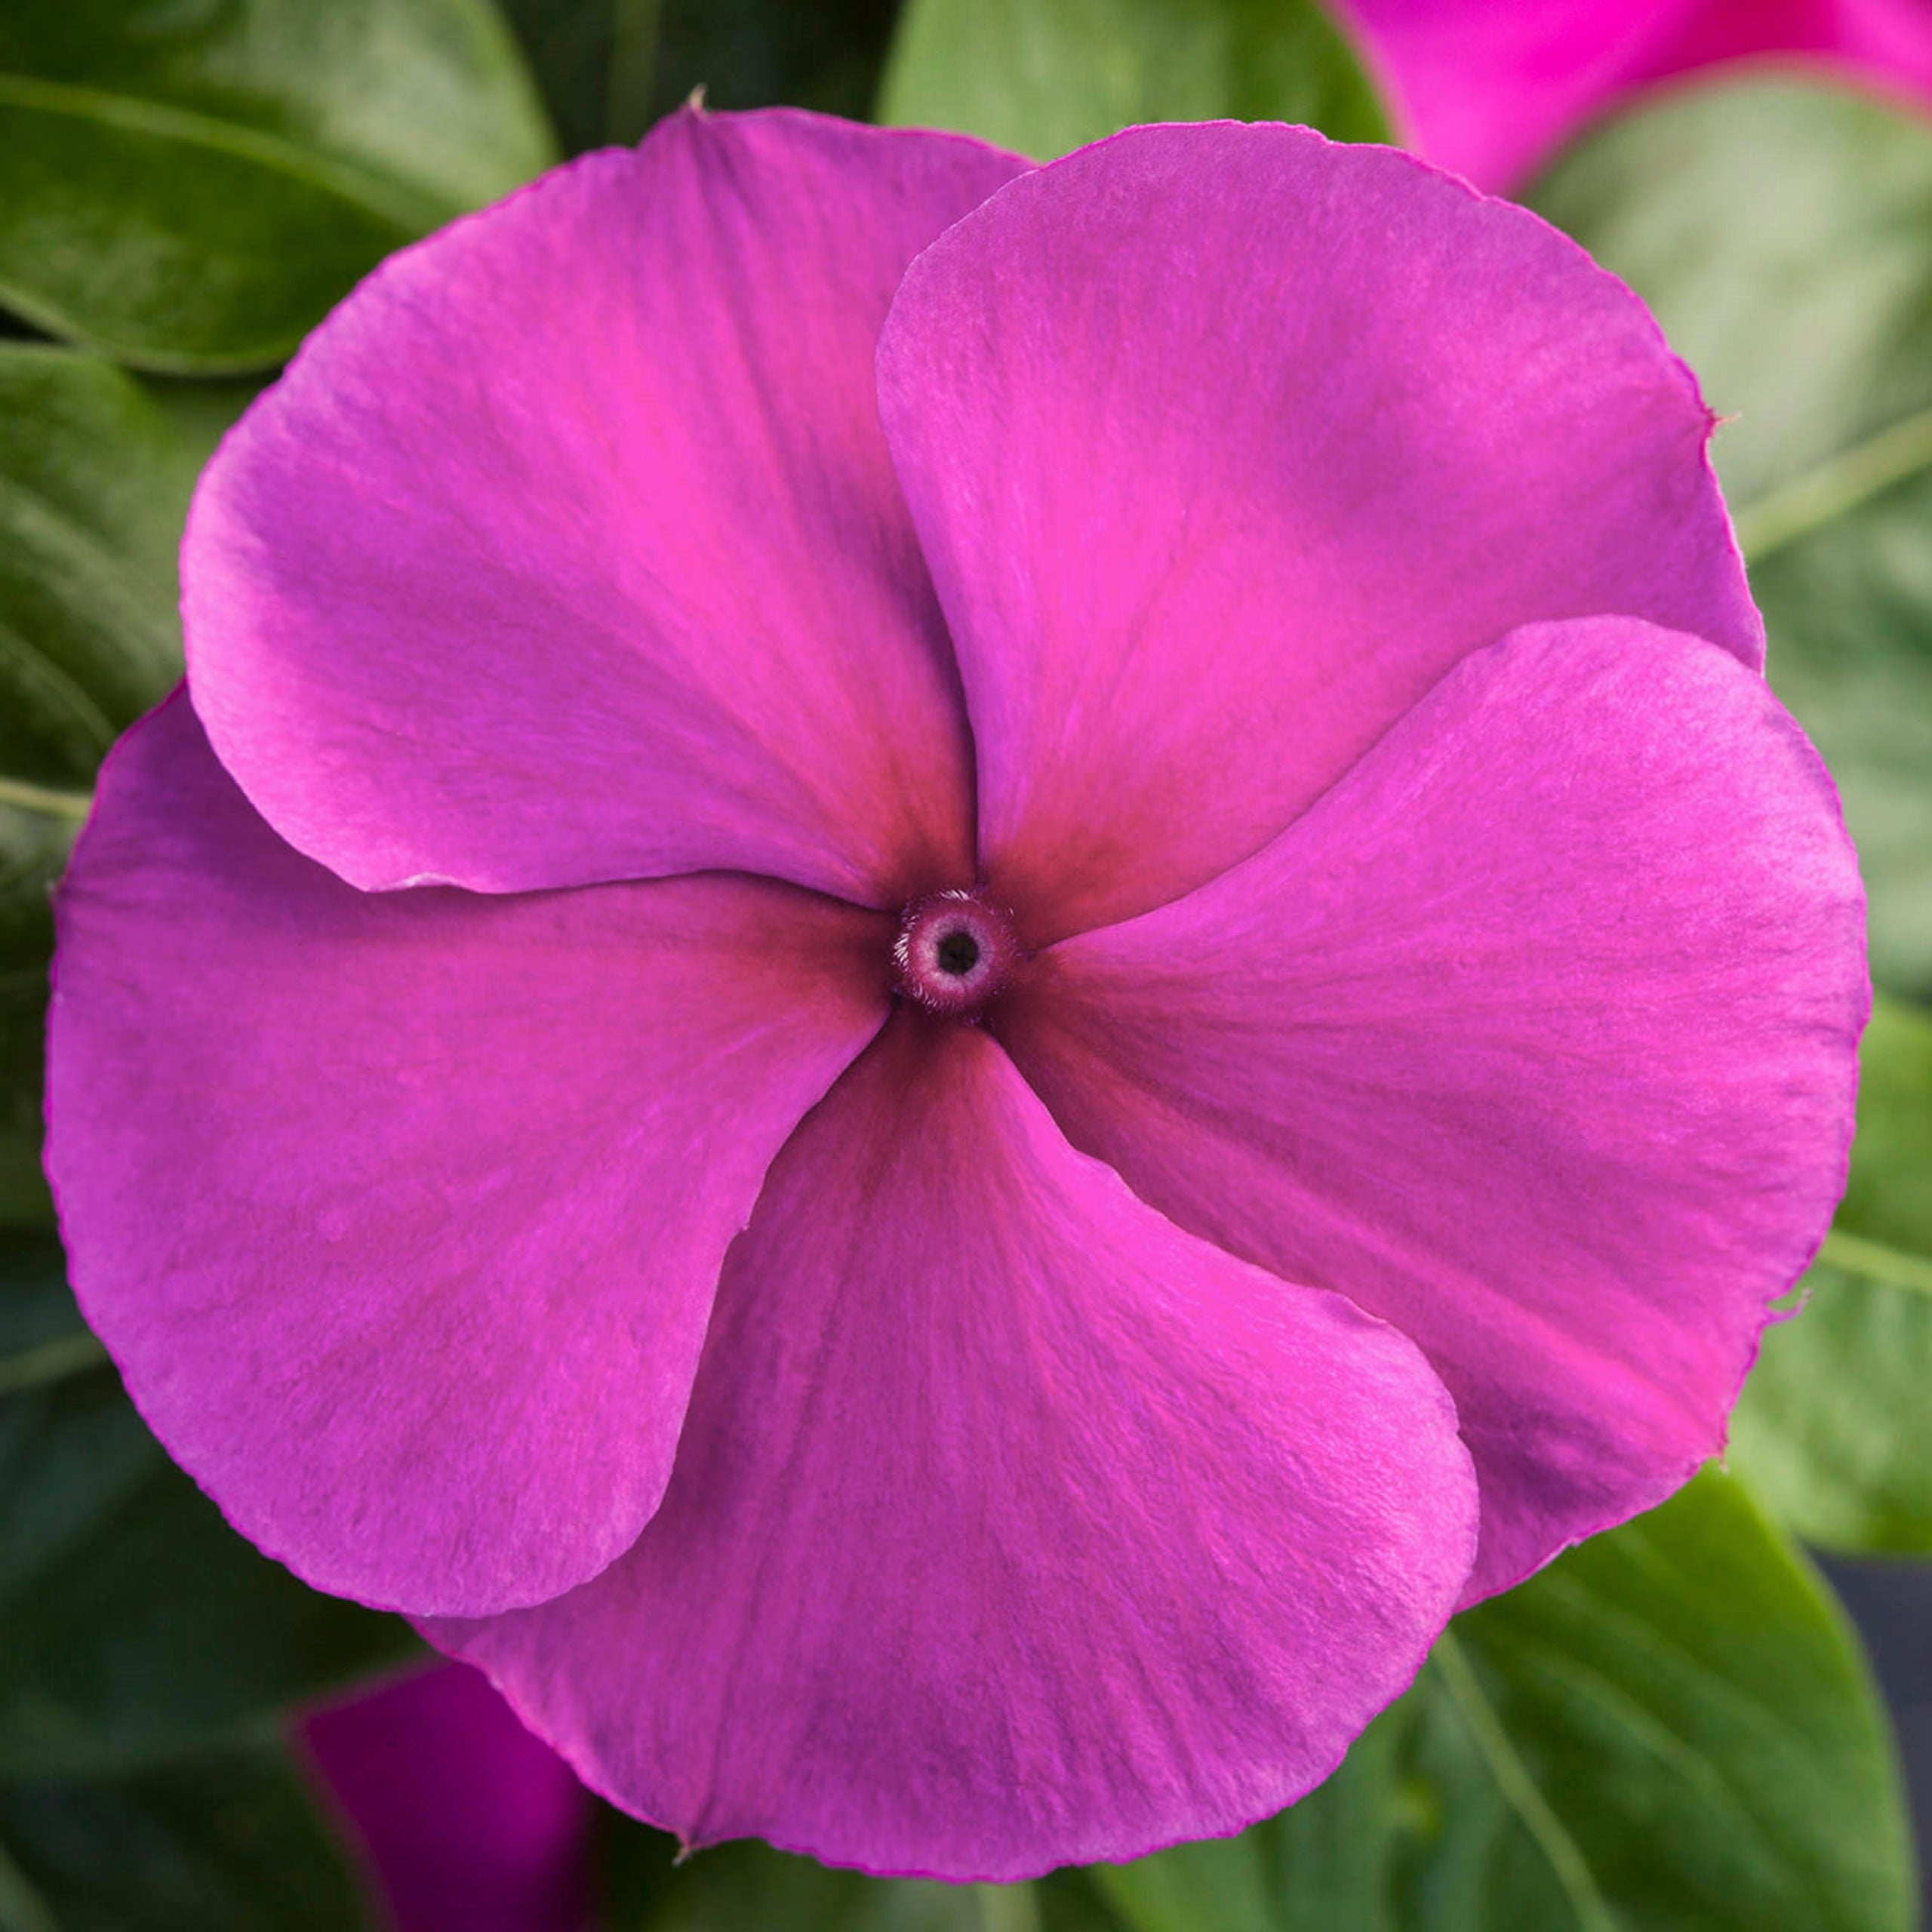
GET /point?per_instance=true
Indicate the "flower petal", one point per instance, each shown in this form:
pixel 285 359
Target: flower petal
pixel 569 547
pixel 1887 42
pixel 402 1214
pixel 1536 1037
pixel 1224 444
pixel 471 1824
pixel 1012 1526
pixel 1488 87
pixel 1493 87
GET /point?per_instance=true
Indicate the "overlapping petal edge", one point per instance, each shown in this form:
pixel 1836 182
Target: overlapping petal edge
pixel 1194 567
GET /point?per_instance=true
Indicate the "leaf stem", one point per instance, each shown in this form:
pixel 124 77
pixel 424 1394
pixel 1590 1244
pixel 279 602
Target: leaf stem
pixel 44 799
pixel 1837 485
pixel 51 1361
pixel 22 1909
pixel 1518 1789
pixel 1876 1262
pixel 1007 1909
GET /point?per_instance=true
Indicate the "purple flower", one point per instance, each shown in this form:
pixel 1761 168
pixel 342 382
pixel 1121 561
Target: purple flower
pixel 951 943
pixel 1493 87
pixel 470 1823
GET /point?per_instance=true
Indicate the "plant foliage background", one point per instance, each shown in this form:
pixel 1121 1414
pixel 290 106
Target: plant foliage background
pixel 1674 1726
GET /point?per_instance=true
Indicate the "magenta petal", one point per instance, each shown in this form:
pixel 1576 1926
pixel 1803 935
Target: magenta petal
pixel 569 547
pixel 1224 444
pixel 1493 87
pixel 1012 1526
pixel 1535 1036
pixel 1488 87
pixel 471 1824
pixel 1886 41
pixel 402 1213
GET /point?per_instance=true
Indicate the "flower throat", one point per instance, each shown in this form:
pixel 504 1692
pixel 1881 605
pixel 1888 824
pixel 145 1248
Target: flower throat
pixel 953 952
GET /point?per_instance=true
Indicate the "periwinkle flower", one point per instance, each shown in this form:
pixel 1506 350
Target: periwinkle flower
pixel 468 1824
pixel 948 974
pixel 1493 87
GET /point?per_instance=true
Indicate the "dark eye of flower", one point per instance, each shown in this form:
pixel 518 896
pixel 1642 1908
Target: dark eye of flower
pixel 958 953
pixel 955 951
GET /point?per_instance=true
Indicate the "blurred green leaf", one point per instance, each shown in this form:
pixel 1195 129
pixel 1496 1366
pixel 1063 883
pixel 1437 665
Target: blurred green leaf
pixel 1045 76
pixel 1783 232
pixel 1832 1427
pixel 42 1338
pixel 135 1625
pixel 609 68
pixel 569 46
pixel 1670 1729
pixel 1329 1862
pixel 824 54
pixel 189 188
pixel 33 851
pixel 96 468
pixel 731 1886
pixel 94 483
pixel 229 1843
pixel 1677 1717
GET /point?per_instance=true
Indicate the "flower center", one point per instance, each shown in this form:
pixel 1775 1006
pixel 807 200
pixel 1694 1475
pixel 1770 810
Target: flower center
pixel 953 952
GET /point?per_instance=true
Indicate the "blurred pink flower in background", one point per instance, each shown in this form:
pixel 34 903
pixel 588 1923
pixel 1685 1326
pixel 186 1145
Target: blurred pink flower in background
pixel 468 1822
pixel 1491 88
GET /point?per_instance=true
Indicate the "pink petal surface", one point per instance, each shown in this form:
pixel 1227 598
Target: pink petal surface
pixel 402 1213
pixel 1535 1036
pixel 469 1823
pixel 1492 87
pixel 1224 444
pixel 568 548
pixel 1887 41
pixel 1012 1526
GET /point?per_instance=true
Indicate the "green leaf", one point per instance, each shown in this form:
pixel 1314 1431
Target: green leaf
pixel 1327 1863
pixel 1888 1196
pixel 1782 230
pixel 568 45
pixel 96 469
pixel 1670 1729
pixel 94 482
pixel 190 189
pixel 1679 1720
pixel 1045 76
pixel 730 1886
pixel 1831 1429
pixel 609 68
pixel 230 1843
pixel 33 850
pixel 824 54
pixel 43 1340
pixel 135 1625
